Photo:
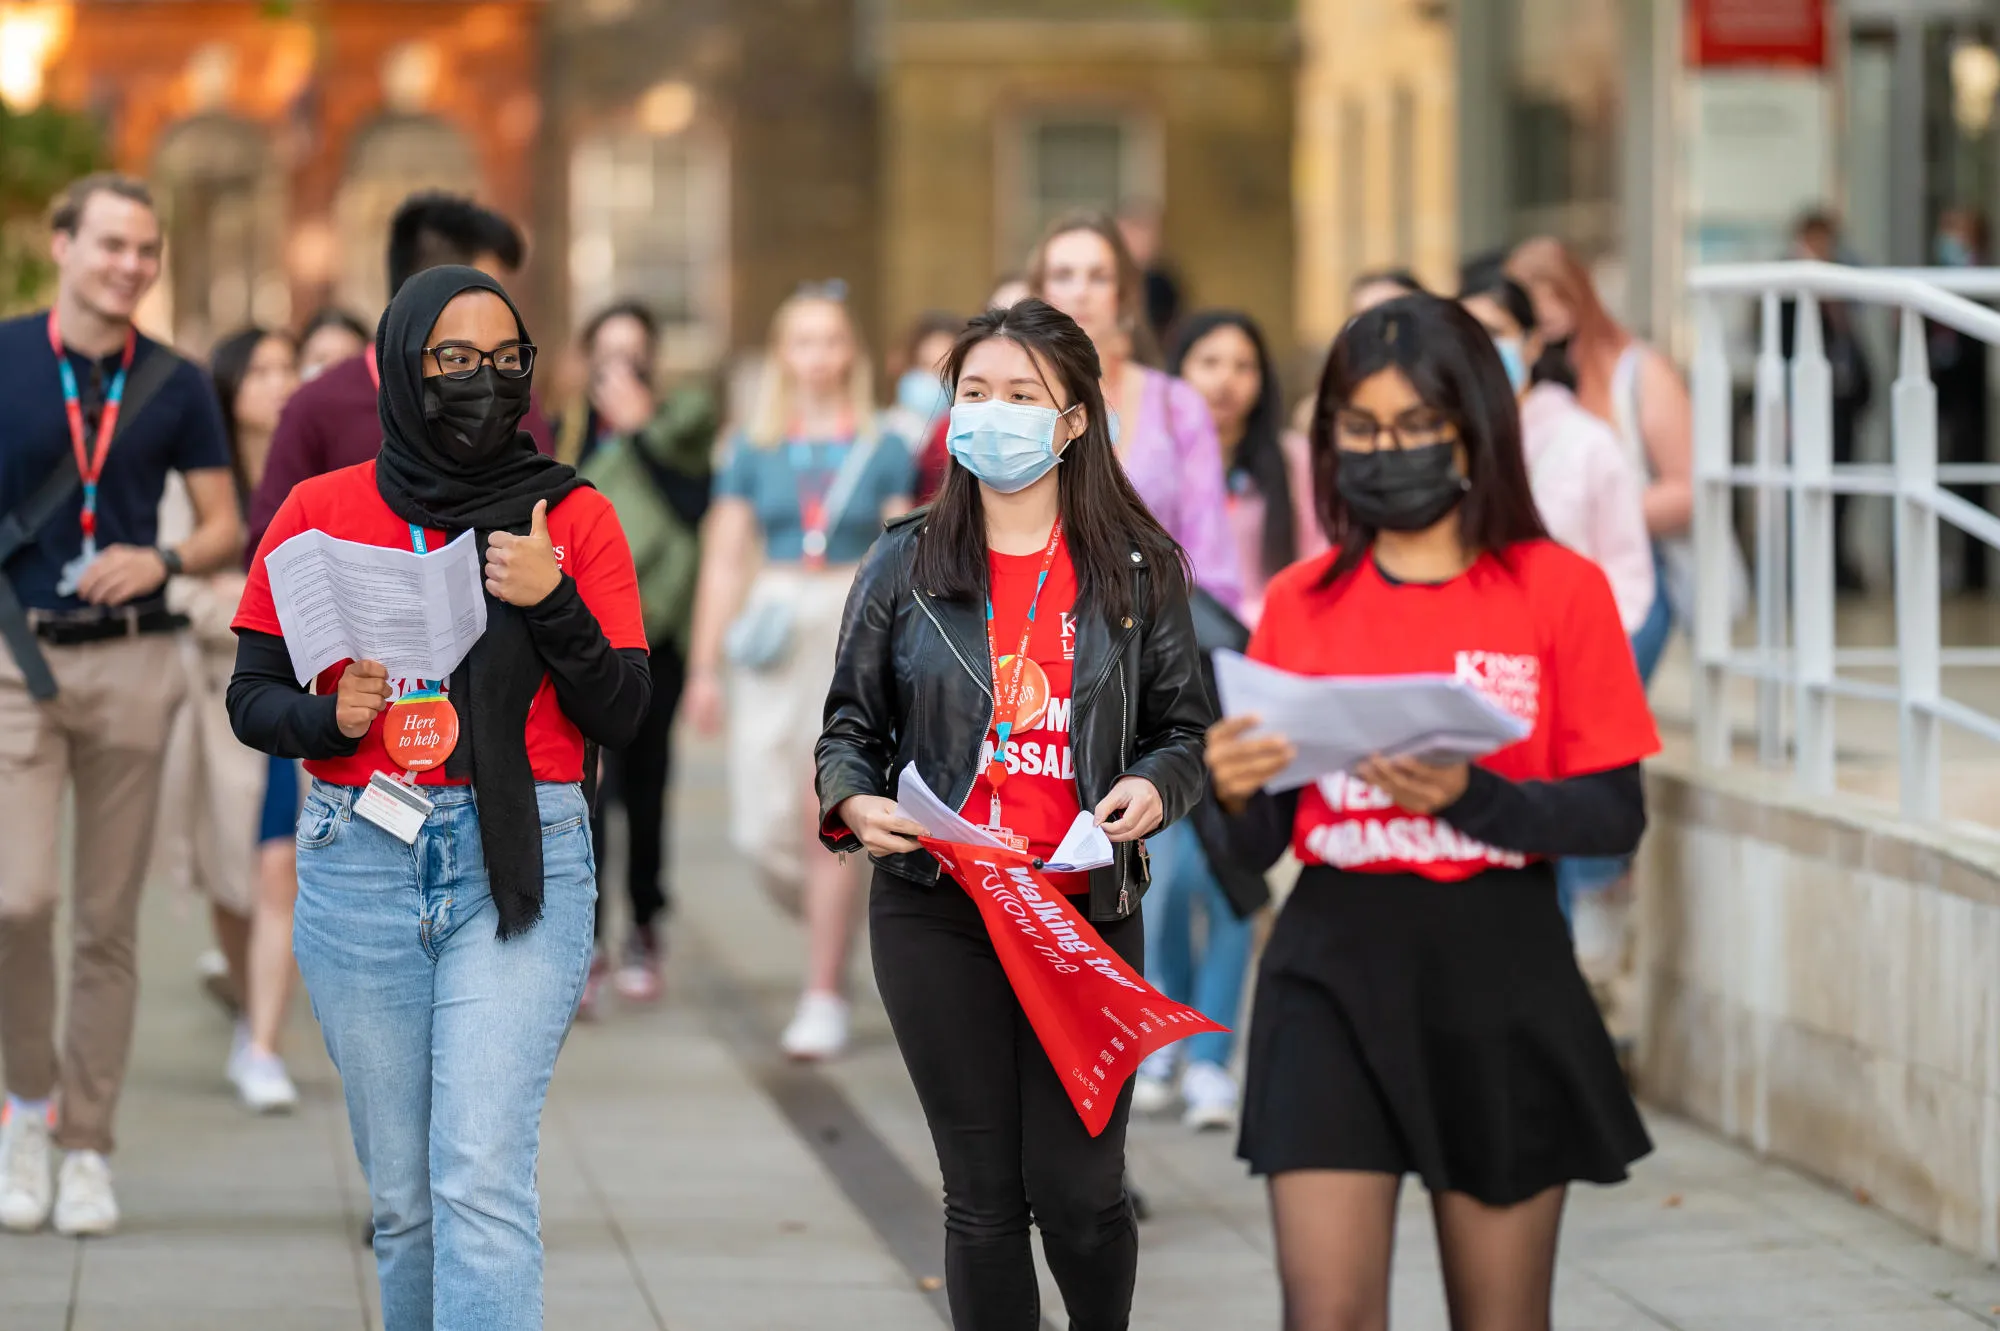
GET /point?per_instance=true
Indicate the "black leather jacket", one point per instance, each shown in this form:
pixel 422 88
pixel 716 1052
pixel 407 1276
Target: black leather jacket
pixel 912 684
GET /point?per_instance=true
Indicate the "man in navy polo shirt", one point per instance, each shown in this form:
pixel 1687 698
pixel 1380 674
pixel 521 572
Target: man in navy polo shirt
pixel 87 614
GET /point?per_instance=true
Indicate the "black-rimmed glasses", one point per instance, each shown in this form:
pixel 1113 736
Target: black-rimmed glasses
pixel 461 360
pixel 1418 427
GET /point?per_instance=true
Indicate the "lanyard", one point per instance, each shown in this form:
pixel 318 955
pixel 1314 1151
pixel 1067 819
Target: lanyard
pixel 426 688
pixel 375 377
pixel 90 460
pixel 813 517
pixel 1007 695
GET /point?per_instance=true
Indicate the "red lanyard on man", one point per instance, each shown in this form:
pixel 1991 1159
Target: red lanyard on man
pixel 1007 693
pixel 90 459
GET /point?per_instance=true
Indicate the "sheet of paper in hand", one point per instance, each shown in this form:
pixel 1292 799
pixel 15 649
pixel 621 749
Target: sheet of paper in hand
pixel 1095 1016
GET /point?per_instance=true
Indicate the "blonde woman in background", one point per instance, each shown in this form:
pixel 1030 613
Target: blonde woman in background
pixel 801 491
pixel 234 809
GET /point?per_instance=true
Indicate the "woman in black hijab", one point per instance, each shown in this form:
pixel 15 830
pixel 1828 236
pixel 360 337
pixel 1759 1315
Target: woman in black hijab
pixel 446 876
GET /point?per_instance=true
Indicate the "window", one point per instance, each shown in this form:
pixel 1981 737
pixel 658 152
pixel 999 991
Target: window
pixel 1564 120
pixel 648 222
pixel 1068 162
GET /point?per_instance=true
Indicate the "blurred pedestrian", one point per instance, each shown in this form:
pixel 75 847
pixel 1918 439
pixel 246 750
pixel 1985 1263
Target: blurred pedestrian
pixel 1139 227
pixel 329 337
pixel 1959 371
pixel 1378 287
pixel 233 807
pixel 1817 237
pixel 921 408
pixel 1418 1010
pixel 90 677
pixel 1638 392
pixel 1062 571
pixel 650 457
pixel 1160 427
pixel 331 422
pixel 445 954
pixel 800 494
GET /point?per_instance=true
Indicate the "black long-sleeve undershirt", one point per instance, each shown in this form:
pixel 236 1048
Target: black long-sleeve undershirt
pixel 1603 813
pixel 603 690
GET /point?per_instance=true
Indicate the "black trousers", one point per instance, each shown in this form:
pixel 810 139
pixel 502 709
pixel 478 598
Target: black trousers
pixel 1009 1143
pixel 637 778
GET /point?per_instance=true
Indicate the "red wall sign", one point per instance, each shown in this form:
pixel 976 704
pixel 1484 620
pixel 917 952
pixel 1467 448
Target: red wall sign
pixel 1756 32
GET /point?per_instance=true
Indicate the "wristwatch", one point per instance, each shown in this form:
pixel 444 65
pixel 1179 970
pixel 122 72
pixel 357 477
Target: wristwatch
pixel 172 559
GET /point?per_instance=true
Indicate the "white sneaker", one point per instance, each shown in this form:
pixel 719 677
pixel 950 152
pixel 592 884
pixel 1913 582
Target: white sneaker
pixel 85 1206
pixel 26 1174
pixel 1153 1085
pixel 261 1080
pixel 1210 1093
pixel 818 1029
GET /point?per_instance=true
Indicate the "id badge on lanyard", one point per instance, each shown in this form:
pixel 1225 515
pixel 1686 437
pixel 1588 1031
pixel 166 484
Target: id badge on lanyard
pixel 813 517
pixel 89 456
pixel 419 731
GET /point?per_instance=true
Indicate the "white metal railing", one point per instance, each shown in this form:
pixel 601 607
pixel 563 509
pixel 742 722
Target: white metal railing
pixel 1793 479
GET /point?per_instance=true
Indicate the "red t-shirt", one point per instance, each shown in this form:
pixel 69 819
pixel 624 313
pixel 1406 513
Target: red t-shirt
pixel 1536 631
pixel 1038 800
pixel 590 547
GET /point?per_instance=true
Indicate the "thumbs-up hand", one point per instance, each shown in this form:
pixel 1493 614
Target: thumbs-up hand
pixel 522 570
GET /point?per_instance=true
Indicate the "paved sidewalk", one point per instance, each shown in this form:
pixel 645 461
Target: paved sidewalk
pixel 693 1182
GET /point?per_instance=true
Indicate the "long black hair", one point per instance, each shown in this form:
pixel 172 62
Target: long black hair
pixel 1260 454
pixel 1103 518
pixel 1450 361
pixel 228 366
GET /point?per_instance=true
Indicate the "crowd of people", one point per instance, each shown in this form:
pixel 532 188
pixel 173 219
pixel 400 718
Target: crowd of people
pixel 1010 577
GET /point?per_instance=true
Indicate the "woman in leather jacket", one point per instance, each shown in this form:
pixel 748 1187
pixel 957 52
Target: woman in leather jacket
pixel 1026 643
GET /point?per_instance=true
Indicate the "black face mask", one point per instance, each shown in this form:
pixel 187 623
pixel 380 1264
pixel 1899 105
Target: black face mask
pixel 1401 489
pixel 476 419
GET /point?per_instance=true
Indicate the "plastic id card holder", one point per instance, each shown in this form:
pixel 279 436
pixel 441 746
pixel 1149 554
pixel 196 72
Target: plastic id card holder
pixel 396 808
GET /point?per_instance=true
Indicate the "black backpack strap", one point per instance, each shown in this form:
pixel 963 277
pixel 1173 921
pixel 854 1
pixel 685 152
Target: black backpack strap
pixel 19 527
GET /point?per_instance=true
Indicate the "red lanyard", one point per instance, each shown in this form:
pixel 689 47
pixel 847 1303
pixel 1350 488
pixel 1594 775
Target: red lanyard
pixel 375 376
pixel 1007 696
pixel 90 460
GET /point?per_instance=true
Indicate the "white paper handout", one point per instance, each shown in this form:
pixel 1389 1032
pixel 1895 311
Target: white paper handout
pixel 1336 721
pixel 343 600
pixel 1084 846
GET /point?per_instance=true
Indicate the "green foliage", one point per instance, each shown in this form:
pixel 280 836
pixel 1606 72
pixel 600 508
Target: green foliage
pixel 40 152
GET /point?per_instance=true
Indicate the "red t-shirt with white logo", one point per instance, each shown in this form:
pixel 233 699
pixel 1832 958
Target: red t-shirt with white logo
pixel 590 547
pixel 1038 800
pixel 1535 630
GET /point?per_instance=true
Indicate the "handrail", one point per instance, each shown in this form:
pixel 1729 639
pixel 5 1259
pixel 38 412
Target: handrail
pixel 1875 285
pixel 1793 479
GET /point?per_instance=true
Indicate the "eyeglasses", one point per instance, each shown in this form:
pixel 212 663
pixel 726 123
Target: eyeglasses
pixel 1419 427
pixel 461 360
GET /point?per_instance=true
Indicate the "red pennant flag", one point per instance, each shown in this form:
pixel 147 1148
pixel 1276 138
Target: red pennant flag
pixel 1095 1016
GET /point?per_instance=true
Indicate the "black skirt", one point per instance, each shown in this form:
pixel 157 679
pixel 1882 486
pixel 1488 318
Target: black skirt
pixel 1442 1029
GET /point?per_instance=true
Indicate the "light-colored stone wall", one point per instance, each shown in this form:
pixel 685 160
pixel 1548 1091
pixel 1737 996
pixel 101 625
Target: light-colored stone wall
pixel 1823 983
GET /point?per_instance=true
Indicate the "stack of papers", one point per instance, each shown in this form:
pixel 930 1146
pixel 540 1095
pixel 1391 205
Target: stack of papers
pixel 1083 847
pixel 1337 721
pixel 345 601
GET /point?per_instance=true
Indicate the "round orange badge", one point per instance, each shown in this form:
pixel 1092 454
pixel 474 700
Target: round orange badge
pixel 1034 699
pixel 420 733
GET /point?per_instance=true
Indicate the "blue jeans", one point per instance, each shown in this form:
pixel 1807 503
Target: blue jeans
pixel 1212 983
pixel 1577 876
pixel 445 1038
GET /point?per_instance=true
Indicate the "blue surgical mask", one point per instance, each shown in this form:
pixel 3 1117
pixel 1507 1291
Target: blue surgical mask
pixel 1510 360
pixel 1008 445
pixel 920 393
pixel 1952 252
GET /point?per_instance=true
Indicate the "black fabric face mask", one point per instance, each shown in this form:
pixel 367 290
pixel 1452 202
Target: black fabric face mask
pixel 1401 489
pixel 475 420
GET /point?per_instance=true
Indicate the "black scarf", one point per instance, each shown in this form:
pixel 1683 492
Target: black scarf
pixel 495 686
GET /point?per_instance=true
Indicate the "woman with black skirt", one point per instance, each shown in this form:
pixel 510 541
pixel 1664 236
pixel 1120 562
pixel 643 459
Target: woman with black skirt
pixel 1419 1009
pixel 1026 643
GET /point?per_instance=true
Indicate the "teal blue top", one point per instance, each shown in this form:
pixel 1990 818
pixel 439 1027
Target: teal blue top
pixel 779 483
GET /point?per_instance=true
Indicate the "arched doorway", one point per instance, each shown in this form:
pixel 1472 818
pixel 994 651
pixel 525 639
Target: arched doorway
pixel 222 201
pixel 392 158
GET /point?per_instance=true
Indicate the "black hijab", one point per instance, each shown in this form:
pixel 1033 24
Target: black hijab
pixel 425 484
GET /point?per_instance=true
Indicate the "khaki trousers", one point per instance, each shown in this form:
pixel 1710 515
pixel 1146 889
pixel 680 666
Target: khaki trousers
pixel 104 734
